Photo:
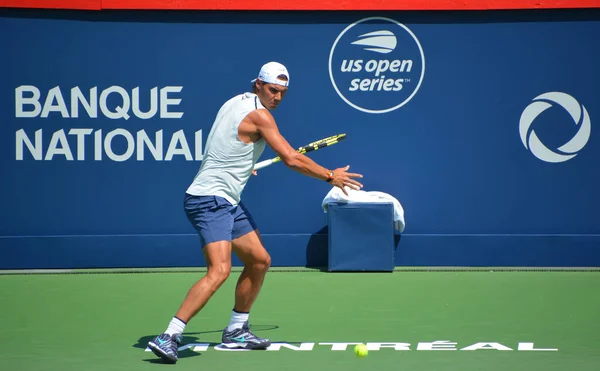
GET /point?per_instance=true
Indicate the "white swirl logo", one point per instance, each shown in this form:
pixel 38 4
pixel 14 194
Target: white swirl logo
pixel 577 112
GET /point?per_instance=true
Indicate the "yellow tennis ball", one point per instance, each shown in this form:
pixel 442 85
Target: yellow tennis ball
pixel 361 350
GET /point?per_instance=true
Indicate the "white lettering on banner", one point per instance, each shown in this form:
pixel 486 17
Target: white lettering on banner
pixel 155 150
pixel 376 84
pixel 108 145
pixel 98 145
pixel 55 95
pixel 59 145
pixel 21 101
pixel 178 139
pixel 379 66
pixel 120 111
pixel 59 137
pixel 153 106
pixel 434 345
pixel 90 105
pixel 28 97
pixel 34 149
pixel 165 102
pixel 80 133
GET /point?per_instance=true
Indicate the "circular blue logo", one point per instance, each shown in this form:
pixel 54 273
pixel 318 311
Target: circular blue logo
pixel 376 65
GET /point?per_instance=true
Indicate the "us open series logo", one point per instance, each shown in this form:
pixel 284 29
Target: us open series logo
pixel 376 65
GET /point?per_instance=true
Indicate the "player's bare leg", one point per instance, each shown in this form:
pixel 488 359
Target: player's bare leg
pixel 250 250
pixel 256 259
pixel 218 261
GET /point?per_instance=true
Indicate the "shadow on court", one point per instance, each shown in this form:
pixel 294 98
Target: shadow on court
pixel 193 338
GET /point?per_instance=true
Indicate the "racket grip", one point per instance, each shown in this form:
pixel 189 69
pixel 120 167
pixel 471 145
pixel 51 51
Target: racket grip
pixel 263 164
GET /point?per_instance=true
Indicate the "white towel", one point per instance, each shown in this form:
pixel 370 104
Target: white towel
pixel 336 195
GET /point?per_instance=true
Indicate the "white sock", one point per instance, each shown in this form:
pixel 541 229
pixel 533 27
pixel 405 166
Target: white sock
pixel 175 327
pixel 237 320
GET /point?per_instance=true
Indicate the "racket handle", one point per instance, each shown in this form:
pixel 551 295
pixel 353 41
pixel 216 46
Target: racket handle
pixel 263 164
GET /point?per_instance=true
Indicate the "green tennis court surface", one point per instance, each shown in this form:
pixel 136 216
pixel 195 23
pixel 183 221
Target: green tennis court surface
pixel 99 321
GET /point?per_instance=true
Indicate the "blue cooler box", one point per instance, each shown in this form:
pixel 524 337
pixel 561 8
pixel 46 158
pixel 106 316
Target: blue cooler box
pixel 361 237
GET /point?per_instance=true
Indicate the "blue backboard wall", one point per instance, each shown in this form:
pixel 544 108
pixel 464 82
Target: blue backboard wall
pixel 482 124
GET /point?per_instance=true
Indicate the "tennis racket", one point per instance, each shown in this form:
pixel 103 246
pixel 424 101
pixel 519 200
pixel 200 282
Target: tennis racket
pixel 325 142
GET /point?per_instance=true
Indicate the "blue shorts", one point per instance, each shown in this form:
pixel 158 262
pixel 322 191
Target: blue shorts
pixel 215 219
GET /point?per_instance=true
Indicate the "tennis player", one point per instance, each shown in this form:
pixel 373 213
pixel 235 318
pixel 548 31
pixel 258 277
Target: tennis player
pixel 212 203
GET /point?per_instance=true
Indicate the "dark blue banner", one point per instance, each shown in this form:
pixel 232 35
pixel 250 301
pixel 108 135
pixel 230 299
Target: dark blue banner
pixel 479 124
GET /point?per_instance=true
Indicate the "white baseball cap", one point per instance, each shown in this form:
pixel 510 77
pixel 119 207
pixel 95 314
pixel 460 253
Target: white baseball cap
pixel 270 72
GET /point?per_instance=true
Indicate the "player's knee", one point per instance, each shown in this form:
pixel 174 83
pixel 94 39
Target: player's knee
pixel 219 272
pixel 263 263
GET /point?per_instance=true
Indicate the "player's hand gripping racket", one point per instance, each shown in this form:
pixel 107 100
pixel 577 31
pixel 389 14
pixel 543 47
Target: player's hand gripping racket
pixel 325 142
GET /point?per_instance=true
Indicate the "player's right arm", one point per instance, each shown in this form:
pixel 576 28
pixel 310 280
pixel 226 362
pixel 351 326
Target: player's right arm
pixel 267 128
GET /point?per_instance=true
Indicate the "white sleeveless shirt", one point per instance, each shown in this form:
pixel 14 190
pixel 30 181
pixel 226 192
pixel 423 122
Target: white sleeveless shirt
pixel 228 162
